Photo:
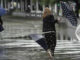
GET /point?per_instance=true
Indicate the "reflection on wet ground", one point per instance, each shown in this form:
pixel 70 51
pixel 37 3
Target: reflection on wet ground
pixel 20 49
pixel 29 50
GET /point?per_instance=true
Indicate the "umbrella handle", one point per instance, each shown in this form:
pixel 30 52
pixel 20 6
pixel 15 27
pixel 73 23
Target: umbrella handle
pixel 47 32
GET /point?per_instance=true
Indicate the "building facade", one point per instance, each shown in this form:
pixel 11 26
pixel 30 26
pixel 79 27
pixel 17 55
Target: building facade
pixel 24 5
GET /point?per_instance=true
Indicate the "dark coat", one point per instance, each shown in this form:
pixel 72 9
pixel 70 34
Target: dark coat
pixel 1 22
pixel 49 23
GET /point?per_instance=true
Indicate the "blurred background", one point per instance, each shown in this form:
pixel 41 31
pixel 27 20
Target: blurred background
pixel 24 17
pixel 34 9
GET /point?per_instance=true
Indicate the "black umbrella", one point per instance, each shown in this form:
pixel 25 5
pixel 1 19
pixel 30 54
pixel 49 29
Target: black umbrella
pixel 40 40
pixel 69 13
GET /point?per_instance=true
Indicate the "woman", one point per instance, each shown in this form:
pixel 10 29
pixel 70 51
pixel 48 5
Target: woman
pixel 49 26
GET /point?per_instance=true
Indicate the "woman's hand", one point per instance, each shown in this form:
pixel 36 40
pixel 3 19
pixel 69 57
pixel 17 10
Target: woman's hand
pixel 59 19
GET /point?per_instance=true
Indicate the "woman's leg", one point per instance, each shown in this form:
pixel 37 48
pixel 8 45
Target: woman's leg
pixel 51 41
pixel 47 37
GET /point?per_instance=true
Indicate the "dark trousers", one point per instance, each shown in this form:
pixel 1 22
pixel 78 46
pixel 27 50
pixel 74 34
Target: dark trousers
pixel 51 41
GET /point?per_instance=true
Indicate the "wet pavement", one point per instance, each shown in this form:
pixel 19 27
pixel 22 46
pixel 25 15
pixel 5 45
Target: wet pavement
pixel 20 27
pixel 14 47
pixel 30 50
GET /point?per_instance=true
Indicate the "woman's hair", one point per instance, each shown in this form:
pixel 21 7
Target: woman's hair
pixel 46 12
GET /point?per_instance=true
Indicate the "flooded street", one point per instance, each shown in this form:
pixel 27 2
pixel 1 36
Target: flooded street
pixel 30 50
pixel 15 45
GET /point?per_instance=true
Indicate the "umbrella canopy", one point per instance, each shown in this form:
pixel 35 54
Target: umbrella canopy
pixel 2 11
pixel 40 40
pixel 68 13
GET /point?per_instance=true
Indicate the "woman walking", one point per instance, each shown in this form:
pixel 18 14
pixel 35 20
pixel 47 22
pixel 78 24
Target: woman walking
pixel 49 26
